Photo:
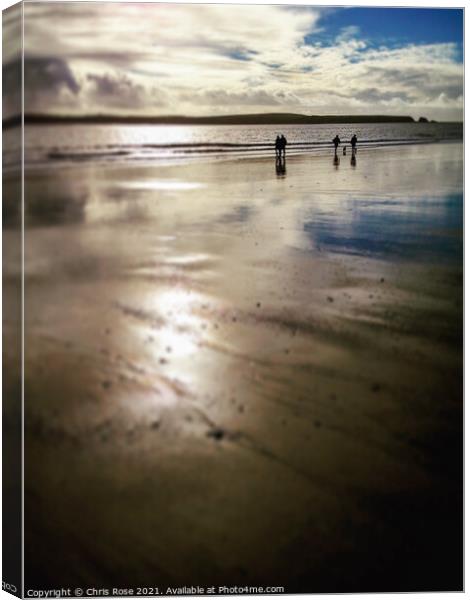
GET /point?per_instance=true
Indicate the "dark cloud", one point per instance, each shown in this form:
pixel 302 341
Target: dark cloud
pixel 376 95
pixel 11 76
pixel 111 58
pixel 419 79
pixel 116 90
pixel 49 74
pixel 46 79
pixel 11 65
pixel 452 92
pixel 224 98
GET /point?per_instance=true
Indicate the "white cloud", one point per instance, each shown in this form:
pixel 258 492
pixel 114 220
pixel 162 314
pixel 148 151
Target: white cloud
pixel 214 59
pixel 352 31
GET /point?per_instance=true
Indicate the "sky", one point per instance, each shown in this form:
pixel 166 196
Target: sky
pixel 163 59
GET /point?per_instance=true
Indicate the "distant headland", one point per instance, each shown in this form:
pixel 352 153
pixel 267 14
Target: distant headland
pixel 248 119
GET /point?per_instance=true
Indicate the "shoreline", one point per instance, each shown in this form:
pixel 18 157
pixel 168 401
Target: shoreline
pixel 196 158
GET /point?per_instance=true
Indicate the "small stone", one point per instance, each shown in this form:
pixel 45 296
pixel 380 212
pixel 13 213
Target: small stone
pixel 217 433
pixel 106 384
pixel 330 299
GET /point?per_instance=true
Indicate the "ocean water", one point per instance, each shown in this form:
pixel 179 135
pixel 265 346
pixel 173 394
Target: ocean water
pixel 70 144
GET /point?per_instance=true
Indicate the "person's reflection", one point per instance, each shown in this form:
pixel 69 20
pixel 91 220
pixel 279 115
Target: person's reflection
pixel 353 159
pixel 336 161
pixel 281 166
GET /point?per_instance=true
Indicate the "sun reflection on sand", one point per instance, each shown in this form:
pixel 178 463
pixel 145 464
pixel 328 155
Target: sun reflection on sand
pixel 163 184
pixel 179 335
pixel 189 259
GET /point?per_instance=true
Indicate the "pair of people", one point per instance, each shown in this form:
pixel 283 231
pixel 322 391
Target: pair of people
pixel 280 145
pixel 337 142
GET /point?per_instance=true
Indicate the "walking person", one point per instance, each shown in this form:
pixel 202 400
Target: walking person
pixel 336 142
pixel 283 145
pixel 353 143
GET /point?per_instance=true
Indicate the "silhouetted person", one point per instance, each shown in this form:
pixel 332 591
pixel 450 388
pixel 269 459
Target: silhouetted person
pixel 344 150
pixel 336 142
pixel 354 142
pixel 280 166
pixel 283 145
pixel 278 145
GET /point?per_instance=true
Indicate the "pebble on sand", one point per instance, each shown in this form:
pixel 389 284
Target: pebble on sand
pixel 217 433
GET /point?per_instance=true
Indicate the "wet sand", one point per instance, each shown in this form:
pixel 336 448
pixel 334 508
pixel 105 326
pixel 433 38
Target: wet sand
pixel 235 377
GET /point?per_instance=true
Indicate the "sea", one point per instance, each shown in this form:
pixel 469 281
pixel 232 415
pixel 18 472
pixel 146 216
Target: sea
pixel 49 146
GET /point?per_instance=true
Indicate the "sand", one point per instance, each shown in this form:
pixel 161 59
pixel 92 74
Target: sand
pixel 239 378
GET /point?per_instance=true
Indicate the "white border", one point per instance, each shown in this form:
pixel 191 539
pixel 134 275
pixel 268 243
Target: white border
pixel 366 3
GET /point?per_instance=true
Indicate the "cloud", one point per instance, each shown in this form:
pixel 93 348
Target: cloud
pixel 49 73
pixel 227 100
pixel 214 59
pixel 117 90
pixel 347 33
pixel 11 61
pixel 11 88
pixel 46 80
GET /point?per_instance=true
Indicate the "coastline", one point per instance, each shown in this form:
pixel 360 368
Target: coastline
pixel 61 146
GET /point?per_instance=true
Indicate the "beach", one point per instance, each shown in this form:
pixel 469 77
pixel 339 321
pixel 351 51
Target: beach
pixel 241 376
